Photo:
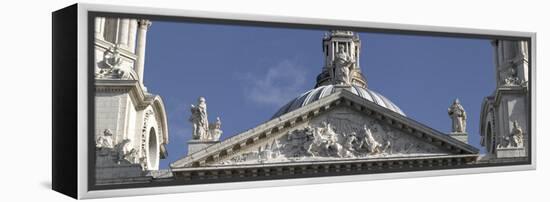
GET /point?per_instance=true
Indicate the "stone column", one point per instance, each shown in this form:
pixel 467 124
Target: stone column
pixel 143 25
pixel 99 27
pixel 123 29
pixel 132 36
pixel 523 63
pixel 334 50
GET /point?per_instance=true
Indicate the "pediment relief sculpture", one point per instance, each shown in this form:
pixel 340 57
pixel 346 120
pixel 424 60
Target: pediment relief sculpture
pixel 334 138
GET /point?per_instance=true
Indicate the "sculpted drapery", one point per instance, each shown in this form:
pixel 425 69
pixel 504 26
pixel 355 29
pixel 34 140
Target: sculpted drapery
pixel 458 117
pixel 342 67
pixel 199 119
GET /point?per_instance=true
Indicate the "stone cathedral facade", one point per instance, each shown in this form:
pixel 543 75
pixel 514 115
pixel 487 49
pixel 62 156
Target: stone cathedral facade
pixel 338 127
pixel 343 127
pixel 131 128
pixel 505 114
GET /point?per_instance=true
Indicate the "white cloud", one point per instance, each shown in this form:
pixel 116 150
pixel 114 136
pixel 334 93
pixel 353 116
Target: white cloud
pixel 281 83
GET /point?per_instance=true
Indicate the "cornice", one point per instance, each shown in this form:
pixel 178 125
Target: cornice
pixel 138 96
pixel 320 168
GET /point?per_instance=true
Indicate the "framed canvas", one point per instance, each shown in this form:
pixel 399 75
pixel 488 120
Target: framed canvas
pixel 150 101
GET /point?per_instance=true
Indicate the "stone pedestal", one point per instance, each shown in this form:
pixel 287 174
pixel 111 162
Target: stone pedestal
pixel 511 152
pixel 196 145
pixel 108 171
pixel 463 137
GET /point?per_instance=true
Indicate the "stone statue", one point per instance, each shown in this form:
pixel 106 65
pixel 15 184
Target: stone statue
pixel 112 66
pixel 458 116
pixel 105 140
pixel 199 119
pixel 342 67
pixel 126 153
pixel 112 57
pixel 509 75
pixel 516 136
pixel 215 130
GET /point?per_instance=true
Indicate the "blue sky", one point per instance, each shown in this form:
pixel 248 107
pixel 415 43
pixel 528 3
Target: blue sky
pixel 246 73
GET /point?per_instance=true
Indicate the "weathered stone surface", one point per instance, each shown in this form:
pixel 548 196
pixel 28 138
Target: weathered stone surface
pixel 264 134
pixel 196 145
pixel 341 133
pixel 463 137
pixel 504 121
pixel 130 123
pixel 510 152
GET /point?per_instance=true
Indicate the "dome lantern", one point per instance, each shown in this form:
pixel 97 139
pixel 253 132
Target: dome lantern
pixel 341 71
pixel 337 43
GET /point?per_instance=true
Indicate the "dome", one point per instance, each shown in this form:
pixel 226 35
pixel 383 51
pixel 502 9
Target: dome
pixel 323 91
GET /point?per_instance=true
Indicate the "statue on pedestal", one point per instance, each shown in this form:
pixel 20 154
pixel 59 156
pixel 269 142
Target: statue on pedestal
pixel 342 67
pixel 199 119
pixel 458 116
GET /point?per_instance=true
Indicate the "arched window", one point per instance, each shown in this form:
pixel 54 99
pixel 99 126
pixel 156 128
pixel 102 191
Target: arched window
pixel 152 147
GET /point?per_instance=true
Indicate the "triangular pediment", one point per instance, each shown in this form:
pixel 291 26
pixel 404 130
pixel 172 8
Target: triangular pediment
pixel 342 126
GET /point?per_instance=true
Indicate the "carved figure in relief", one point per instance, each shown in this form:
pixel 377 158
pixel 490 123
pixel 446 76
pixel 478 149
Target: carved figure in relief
pixel 369 143
pixel 268 152
pixel 315 143
pixel 275 147
pixel 324 142
pixel 351 140
pixel 331 145
pixel 333 138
